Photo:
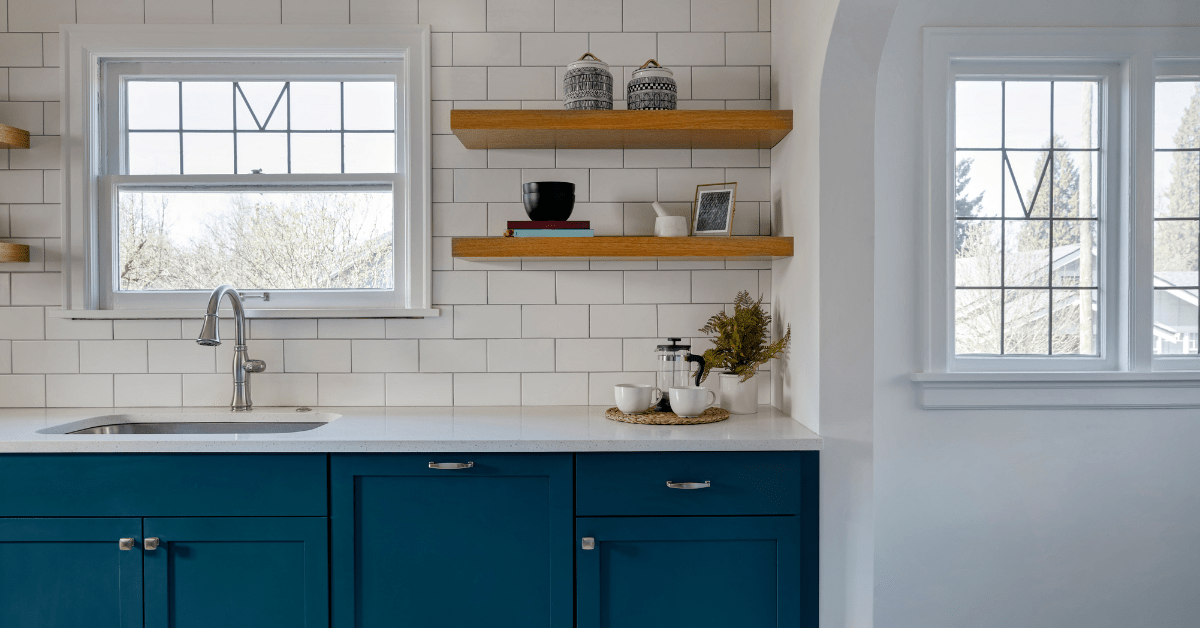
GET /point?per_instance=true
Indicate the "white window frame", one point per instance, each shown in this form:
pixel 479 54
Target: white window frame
pixel 94 144
pixel 1126 374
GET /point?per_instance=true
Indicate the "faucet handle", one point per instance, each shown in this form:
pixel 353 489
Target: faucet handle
pixel 255 366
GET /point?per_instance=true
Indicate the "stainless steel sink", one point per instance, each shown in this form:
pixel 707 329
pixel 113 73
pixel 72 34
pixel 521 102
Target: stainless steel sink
pixel 200 427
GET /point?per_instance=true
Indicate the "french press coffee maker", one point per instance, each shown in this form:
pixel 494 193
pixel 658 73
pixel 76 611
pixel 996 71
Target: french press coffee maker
pixel 675 369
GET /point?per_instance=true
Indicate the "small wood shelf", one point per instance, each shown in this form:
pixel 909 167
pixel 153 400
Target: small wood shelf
pixel 540 128
pixel 12 137
pixel 14 252
pixel 622 247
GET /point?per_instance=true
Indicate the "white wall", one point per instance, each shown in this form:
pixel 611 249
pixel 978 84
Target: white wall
pixel 1034 518
pixel 532 334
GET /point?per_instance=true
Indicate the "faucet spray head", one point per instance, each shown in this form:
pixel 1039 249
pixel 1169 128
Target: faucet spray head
pixel 210 335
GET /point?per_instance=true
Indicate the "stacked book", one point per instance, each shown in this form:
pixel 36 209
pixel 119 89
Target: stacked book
pixel 550 229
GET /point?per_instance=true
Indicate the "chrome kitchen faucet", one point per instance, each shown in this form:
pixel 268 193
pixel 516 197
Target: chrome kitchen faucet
pixel 210 336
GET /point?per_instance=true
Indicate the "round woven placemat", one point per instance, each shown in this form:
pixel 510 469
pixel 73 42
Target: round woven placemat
pixel 711 415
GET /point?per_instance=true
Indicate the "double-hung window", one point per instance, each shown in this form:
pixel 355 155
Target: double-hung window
pixel 1063 251
pixel 290 163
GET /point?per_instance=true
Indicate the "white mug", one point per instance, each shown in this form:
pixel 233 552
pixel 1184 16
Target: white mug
pixel 635 398
pixel 691 400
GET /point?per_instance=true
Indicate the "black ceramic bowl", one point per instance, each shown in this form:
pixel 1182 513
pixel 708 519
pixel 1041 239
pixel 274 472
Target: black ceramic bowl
pixel 551 187
pixel 549 206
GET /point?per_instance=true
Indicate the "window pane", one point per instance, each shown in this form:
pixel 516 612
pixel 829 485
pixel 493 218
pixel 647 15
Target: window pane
pixel 1176 181
pixel 371 106
pixel 1026 328
pixel 208 106
pixel 1075 188
pixel 208 153
pixel 152 104
pixel 1075 316
pixel 370 152
pixel 977 114
pixel 262 103
pixel 1027 114
pixel 153 153
pixel 978 259
pixel 1026 252
pixel 262 151
pixel 316 106
pixel 319 153
pixel 1177 114
pixel 257 241
pixel 1075 246
pixel 1176 252
pixel 1030 169
pixel 977 321
pixel 1076 116
pixel 1175 322
pixel 977 183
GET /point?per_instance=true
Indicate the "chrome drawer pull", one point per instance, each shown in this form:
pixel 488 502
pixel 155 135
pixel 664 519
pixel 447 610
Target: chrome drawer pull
pixel 125 544
pixel 451 465
pixel 589 543
pixel 687 486
pixel 151 543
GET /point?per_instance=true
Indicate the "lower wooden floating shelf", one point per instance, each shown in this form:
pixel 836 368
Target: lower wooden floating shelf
pixel 622 247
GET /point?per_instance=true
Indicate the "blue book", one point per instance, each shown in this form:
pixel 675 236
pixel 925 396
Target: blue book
pixel 553 233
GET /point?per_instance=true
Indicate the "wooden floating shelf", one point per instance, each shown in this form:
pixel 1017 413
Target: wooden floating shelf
pixel 537 128
pixel 12 137
pixel 14 252
pixel 621 247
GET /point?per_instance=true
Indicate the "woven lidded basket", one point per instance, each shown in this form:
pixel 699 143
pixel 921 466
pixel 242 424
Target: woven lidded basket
pixel 711 415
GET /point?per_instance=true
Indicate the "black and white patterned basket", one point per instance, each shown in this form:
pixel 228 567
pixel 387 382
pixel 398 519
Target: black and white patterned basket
pixel 652 87
pixel 588 84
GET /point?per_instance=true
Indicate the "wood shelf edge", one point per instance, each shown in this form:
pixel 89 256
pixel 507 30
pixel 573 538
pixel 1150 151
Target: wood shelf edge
pixel 12 137
pixel 623 247
pixel 10 252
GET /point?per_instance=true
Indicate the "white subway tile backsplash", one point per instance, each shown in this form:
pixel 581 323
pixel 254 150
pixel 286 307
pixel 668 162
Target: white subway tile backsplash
pixel 668 264
pixel 589 287
pixel 35 221
pixel 350 389
pixel 601 385
pixel 724 83
pixel 147 330
pixel 523 355
pixel 384 356
pixel 112 356
pixel 454 15
pixel 23 115
pixel 282 328
pixel 520 157
pixel 725 15
pixel 607 219
pixel 68 329
pixel 350 328
pixel 20 186
pixel 487 186
pixel 658 286
pixel 724 158
pixel 684 320
pixel 679 184
pixel 39 15
pixel 487 321
pixel 459 219
pixel 247 12
pixel 213 389
pixel 36 288
pixel 285 389
pixel 554 389
pixel 624 49
pixel 110 11
pixel 551 49
pixel 443 185
pixel 468 83
pixel 21 49
pixel 419 389
pixel 639 353
pixel 520 83
pixel 450 356
pixel 51 50
pixel 523 16
pixel 487 49
pixel 487 389
pixel 151 391
pixel 589 158
pixel 691 49
pixel 554 321
pixel 180 356
pixel 460 287
pixel 587 354
pixel 554 264
pixel 748 48
pixel 754 184
pixel 23 391
pixel 658 157
pixel 79 391
pixel 521 287
pixel 627 185
pixel 51 186
pixel 5 356
pixel 449 152
pixel 624 321
pixel 657 15
pixel 45 356
pixel 746 219
pixel 587 15
pixel 429 327
pixel 383 12
pixel 179 12
pixel 316 356
pixel 316 11
pixel 722 286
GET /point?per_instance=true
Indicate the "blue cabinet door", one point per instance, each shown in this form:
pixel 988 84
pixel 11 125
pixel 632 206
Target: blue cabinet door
pixel 238 572
pixel 690 572
pixel 482 545
pixel 70 573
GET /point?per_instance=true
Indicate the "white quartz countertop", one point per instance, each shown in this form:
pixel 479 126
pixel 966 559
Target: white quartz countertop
pixel 457 429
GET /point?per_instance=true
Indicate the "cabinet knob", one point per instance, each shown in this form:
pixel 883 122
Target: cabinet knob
pixel 589 543
pixel 151 542
pixel 451 465
pixel 125 544
pixel 689 486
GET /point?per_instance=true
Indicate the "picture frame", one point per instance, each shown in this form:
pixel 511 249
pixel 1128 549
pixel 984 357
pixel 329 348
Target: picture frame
pixel 712 211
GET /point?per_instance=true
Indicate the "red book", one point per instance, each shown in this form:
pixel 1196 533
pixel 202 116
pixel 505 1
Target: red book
pixel 549 224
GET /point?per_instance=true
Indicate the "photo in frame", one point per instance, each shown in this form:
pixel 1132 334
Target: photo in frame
pixel 712 212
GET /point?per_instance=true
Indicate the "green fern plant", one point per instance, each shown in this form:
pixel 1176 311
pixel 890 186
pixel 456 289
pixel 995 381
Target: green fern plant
pixel 742 341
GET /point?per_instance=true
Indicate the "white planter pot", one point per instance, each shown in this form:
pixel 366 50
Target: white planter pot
pixel 739 397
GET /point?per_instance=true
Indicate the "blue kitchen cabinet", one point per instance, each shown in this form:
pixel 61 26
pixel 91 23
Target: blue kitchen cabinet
pixel 425 540
pixel 237 572
pixel 70 573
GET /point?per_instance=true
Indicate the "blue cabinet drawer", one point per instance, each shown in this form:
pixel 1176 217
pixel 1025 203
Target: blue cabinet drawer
pixel 163 485
pixel 739 483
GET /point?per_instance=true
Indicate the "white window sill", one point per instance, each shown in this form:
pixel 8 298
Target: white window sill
pixel 1062 390
pixel 250 313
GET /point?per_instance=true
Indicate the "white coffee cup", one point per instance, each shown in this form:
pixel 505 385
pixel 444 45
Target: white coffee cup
pixel 691 400
pixel 634 398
